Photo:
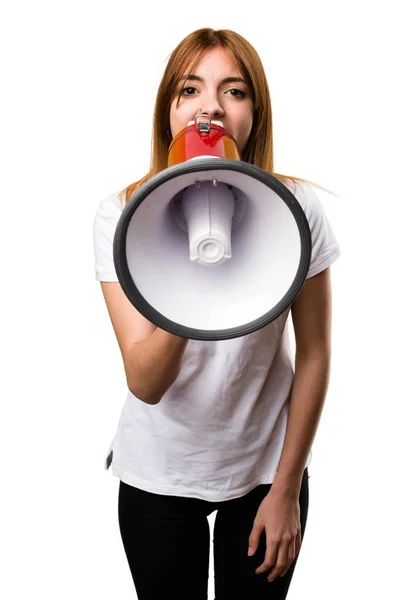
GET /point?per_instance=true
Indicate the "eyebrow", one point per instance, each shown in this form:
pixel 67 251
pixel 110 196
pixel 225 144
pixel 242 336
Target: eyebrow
pixel 192 77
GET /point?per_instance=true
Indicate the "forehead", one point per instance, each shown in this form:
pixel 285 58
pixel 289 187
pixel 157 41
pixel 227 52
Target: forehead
pixel 215 62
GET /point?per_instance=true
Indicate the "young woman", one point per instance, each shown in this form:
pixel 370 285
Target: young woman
pixel 222 426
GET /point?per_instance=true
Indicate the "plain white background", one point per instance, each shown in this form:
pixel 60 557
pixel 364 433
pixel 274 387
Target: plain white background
pixel 79 82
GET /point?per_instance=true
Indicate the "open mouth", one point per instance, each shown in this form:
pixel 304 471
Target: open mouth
pixel 220 123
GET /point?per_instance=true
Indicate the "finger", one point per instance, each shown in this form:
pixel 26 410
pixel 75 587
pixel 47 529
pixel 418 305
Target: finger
pixel 299 539
pixel 281 560
pixel 254 539
pixel 290 557
pixel 270 557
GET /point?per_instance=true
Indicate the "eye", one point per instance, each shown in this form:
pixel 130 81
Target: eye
pixel 188 91
pixel 237 93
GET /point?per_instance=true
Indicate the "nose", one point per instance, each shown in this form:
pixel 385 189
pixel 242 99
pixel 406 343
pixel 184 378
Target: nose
pixel 213 106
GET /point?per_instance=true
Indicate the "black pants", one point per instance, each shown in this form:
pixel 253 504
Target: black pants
pixel 167 540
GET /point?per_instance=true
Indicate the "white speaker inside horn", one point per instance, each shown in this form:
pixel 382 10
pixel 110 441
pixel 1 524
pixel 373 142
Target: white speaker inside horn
pixel 212 249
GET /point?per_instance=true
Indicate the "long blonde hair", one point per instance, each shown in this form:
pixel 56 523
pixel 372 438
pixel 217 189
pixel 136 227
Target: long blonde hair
pixel 259 148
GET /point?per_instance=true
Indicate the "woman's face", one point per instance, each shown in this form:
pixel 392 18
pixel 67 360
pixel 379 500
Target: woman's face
pixel 216 87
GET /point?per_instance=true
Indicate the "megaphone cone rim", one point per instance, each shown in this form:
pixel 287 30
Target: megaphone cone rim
pixel 141 304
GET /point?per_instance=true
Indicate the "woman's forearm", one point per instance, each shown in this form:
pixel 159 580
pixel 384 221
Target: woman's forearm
pixel 153 365
pixel 307 400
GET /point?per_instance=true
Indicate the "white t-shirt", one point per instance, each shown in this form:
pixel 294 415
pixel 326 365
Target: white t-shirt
pixel 219 430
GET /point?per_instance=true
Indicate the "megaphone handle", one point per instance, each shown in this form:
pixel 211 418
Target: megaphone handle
pixel 203 126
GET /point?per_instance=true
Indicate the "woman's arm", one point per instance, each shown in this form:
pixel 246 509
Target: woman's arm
pixel 151 356
pixel 311 313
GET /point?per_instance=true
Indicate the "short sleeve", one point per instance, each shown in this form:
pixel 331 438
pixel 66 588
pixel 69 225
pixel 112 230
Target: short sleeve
pixel 325 247
pixel 105 224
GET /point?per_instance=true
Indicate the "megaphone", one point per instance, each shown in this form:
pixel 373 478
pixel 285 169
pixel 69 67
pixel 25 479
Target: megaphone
pixel 212 247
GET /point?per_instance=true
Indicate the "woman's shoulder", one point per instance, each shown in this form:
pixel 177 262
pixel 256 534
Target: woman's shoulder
pixel 305 193
pixel 294 184
pixel 110 207
pixel 114 200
